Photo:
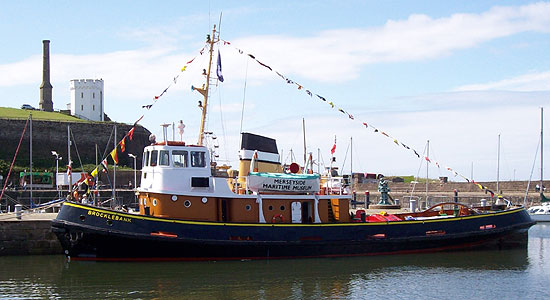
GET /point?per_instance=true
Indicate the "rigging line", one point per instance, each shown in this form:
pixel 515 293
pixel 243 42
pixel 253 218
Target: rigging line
pixel 14 157
pixel 531 176
pixel 107 145
pixel 244 94
pixel 418 172
pixel 76 148
pixel 435 160
pixel 345 157
pixel 222 123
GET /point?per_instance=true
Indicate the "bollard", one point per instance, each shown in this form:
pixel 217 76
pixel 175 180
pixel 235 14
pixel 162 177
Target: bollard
pixel 412 205
pixel 367 198
pixel 18 211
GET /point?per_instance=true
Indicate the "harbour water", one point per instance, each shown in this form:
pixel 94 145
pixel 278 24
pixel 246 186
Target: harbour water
pixel 498 274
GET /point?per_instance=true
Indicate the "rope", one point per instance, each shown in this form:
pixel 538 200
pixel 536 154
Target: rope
pixel 14 157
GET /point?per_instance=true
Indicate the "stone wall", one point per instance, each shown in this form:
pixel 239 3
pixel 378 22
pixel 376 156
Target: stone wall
pixel 52 135
pixel 28 238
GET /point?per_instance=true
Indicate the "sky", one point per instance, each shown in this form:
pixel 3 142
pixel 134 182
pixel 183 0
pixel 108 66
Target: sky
pixel 457 73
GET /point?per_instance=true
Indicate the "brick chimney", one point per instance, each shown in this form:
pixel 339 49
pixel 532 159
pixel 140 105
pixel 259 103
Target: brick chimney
pixel 46 103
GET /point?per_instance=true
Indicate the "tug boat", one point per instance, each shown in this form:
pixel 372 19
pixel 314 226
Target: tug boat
pixel 190 209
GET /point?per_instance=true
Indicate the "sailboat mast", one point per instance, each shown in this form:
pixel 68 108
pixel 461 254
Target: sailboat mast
pixel 498 163
pixel 204 90
pixel 114 171
pixel 541 149
pixel 427 180
pixel 351 162
pixel 30 156
pixel 69 159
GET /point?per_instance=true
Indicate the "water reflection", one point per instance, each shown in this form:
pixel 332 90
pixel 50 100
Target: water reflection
pixel 403 276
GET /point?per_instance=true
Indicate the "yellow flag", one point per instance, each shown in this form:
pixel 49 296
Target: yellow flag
pixel 183 69
pixel 114 156
pixel 94 172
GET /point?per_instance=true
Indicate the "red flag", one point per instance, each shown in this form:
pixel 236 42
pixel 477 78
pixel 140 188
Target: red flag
pixel 123 144
pixel 131 133
pixel 427 159
pixel 333 147
pixel 69 170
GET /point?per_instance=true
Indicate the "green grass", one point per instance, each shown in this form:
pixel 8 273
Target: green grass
pixel 15 113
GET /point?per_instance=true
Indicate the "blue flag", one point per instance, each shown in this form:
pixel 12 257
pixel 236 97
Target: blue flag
pixel 219 67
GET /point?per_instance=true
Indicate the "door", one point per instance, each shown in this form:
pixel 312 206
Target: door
pixel 296 208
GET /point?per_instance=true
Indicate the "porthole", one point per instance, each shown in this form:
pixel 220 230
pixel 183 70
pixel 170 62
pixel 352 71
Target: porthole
pixel 187 203
pixel 154 202
pixel 248 207
pixel 270 207
pixel 204 200
pixel 109 222
pixel 82 218
pixel 174 198
pixel 282 207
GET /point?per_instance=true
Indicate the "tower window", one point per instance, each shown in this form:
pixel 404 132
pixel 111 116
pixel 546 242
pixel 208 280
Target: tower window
pixel 82 107
pixel 93 95
pixel 93 107
pixel 82 95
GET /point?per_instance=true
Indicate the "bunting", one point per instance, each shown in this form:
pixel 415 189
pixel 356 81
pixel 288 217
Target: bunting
pixel 114 156
pixel 131 133
pixel 104 165
pixel 123 145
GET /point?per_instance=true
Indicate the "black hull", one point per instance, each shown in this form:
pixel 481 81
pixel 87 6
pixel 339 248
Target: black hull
pixel 88 232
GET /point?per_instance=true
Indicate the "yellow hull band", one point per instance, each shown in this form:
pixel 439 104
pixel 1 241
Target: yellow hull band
pixel 140 217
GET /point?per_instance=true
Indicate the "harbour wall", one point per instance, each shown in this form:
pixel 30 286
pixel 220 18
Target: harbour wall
pixel 28 237
pixel 52 136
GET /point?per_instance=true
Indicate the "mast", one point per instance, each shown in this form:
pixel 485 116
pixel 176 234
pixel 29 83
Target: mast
pixel 69 158
pixel 319 160
pixel 428 155
pixel 30 156
pixel 351 162
pixel 541 150
pixel 204 90
pixel 304 133
pixel 498 164
pixel 114 172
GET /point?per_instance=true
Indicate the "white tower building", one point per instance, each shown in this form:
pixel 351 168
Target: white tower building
pixel 87 99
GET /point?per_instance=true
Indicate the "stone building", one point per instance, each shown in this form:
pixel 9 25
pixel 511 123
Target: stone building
pixel 87 99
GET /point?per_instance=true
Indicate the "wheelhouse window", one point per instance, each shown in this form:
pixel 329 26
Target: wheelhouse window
pixel 164 159
pixel 154 157
pixel 179 158
pixel 145 159
pixel 198 159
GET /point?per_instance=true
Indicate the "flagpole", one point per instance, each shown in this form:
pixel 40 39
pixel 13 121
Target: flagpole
pixel 304 133
pixel 30 156
pixel 69 158
pixel 114 171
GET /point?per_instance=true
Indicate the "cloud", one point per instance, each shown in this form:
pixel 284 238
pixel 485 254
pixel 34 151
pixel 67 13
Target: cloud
pixel 337 55
pixel 528 82
pixel 329 56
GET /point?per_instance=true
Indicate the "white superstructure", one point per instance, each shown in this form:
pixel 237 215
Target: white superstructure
pixel 87 99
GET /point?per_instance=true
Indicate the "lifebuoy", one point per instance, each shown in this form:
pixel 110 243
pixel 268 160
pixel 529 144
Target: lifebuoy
pixel 280 217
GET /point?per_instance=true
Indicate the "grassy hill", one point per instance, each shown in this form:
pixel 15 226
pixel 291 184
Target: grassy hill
pixel 23 114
